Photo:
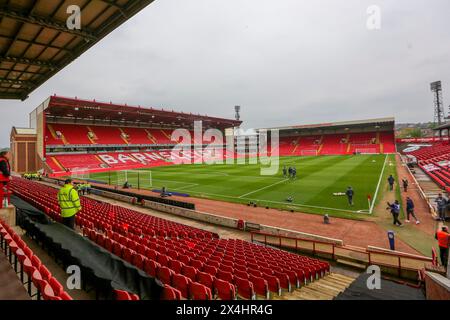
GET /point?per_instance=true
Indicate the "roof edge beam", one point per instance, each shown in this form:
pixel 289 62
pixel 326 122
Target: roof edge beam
pixel 44 22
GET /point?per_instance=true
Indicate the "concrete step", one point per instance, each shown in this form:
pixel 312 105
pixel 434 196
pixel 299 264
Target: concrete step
pixel 326 288
pixel 352 263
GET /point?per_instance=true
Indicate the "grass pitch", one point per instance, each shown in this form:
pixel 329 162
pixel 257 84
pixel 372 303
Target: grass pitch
pixel 312 191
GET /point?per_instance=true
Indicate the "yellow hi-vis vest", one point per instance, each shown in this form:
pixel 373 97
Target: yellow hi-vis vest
pixel 69 201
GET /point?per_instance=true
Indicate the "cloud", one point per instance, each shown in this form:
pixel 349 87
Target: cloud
pixel 285 62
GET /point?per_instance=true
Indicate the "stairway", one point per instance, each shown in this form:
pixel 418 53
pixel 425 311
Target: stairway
pixel 326 288
pixel 150 136
pixel 55 136
pixel 122 134
pixel 92 140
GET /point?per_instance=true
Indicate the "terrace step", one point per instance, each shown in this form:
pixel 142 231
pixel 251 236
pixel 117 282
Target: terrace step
pixel 326 288
pixel 352 263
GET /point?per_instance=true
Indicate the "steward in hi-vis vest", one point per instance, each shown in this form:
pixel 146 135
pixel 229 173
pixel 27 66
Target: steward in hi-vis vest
pixel 443 238
pixel 69 202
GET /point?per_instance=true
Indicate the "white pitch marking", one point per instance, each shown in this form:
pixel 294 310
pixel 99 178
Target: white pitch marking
pixel 378 186
pixel 270 185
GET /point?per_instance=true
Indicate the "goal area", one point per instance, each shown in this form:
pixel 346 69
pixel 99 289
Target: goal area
pixel 135 178
pixel 310 152
pixel 366 150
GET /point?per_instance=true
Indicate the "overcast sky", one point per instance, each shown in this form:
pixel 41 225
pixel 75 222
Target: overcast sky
pixel 284 62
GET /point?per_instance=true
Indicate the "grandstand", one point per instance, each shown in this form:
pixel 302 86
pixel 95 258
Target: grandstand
pixel 189 263
pixel 107 143
pixel 434 160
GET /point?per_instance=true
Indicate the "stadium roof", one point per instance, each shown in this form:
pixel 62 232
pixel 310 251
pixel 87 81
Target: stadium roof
pixel 101 112
pixel 35 42
pixel 27 131
pixel 339 125
pixel 443 127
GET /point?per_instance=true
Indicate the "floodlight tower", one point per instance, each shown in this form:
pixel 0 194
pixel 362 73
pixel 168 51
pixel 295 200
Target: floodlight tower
pixel 237 110
pixel 436 88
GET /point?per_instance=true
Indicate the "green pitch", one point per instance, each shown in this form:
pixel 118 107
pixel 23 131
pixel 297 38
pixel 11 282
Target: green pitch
pixel 318 178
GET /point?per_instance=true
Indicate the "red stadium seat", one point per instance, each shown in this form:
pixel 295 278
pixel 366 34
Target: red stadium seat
pixel 226 276
pixel 151 267
pixel 189 272
pixel 169 293
pixel 244 288
pixel 176 266
pixel 284 280
pixel 210 270
pixel 199 292
pixel 260 285
pixel 138 261
pixel 224 290
pixel 205 279
pixel 181 283
pixel 164 275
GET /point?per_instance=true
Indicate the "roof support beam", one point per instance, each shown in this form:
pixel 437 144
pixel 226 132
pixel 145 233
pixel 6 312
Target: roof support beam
pixel 37 43
pixel 25 84
pixel 38 63
pixel 44 22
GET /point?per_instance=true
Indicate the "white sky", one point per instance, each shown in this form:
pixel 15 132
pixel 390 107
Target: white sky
pixel 284 62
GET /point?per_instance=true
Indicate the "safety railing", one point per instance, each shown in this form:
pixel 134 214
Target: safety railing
pixel 368 256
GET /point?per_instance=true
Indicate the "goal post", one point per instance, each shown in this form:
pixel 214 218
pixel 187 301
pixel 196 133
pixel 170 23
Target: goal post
pixel 80 174
pixel 366 150
pixel 139 179
pixel 311 152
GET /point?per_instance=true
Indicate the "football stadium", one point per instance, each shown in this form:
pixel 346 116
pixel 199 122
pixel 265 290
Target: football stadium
pixel 108 200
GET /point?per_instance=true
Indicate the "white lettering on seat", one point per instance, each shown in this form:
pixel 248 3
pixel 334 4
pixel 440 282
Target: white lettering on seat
pixel 125 158
pixel 108 159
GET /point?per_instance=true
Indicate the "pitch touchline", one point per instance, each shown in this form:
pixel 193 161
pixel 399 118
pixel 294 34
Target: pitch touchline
pixel 278 202
pixel 270 185
pixel 378 186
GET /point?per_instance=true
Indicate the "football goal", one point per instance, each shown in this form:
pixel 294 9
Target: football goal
pixel 136 178
pixel 372 150
pixel 311 152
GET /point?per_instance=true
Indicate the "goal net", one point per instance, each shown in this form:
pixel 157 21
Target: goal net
pixel 308 152
pixel 366 150
pixel 139 179
pixel 79 174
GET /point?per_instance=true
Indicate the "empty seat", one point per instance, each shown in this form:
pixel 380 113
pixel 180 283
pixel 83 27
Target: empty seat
pixel 138 261
pixel 224 290
pixel 189 272
pixel 176 266
pixel 241 274
pixel 284 280
pixel 151 267
pixel 205 279
pixel 244 288
pixel 273 283
pixel 210 269
pixel 124 295
pixel 170 293
pixel 181 283
pixel 224 275
pixel 260 285
pixel 199 292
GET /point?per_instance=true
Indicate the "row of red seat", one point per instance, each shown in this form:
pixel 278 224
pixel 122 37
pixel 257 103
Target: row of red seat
pixel 174 257
pixel 435 161
pixel 74 134
pixel 250 268
pixel 336 144
pixel 102 214
pixel 30 265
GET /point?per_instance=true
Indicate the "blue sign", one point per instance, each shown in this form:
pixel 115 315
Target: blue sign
pixel 391 237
